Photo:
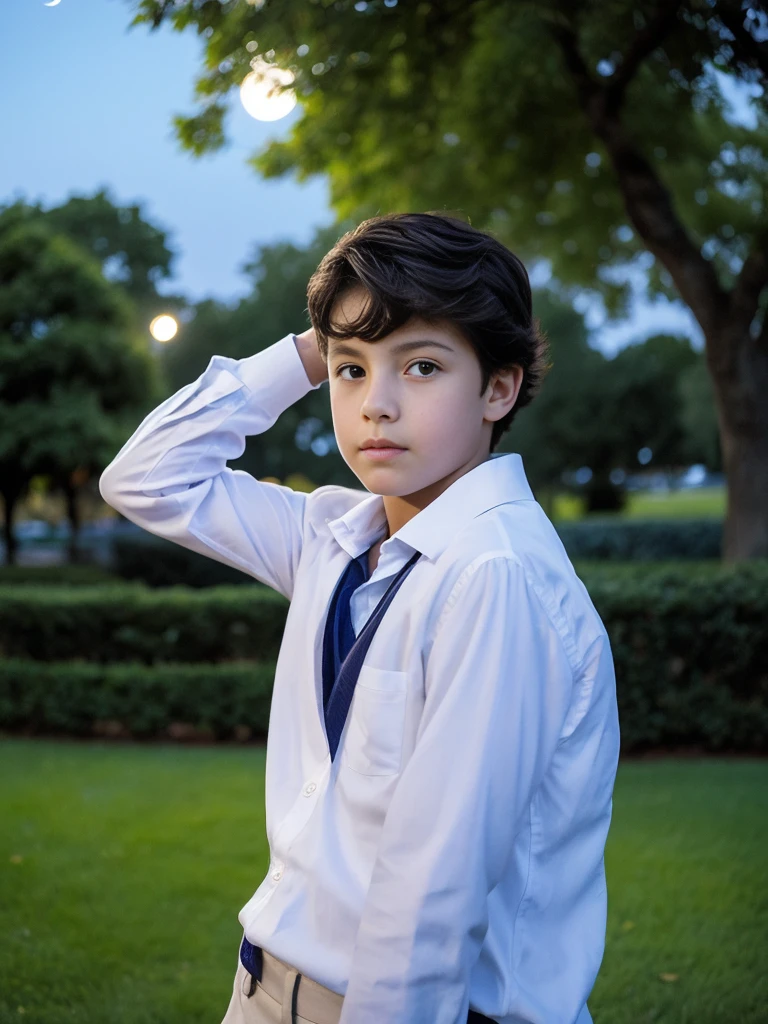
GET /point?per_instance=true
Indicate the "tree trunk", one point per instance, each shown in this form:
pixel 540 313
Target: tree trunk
pixel 741 395
pixel 10 498
pixel 73 515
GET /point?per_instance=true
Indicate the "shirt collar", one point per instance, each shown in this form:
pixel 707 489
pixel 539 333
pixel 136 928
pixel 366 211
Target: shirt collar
pixel 499 480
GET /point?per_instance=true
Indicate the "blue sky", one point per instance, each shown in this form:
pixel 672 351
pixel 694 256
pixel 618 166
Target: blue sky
pixel 92 102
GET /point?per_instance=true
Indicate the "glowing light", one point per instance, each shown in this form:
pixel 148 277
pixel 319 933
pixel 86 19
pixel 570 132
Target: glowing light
pixel 260 91
pixel 163 328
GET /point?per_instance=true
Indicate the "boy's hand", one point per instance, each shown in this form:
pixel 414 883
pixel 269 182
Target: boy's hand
pixel 314 364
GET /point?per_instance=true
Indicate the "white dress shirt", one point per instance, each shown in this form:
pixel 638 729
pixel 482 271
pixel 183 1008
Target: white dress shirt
pixel 452 853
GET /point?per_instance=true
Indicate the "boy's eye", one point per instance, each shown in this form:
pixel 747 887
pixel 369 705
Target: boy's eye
pixel 419 363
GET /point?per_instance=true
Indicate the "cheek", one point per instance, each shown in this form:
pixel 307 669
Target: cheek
pixel 344 415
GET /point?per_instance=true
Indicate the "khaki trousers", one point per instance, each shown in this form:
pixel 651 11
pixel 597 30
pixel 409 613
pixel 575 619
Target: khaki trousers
pixel 283 996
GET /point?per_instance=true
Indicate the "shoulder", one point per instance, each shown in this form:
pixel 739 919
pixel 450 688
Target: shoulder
pixel 517 543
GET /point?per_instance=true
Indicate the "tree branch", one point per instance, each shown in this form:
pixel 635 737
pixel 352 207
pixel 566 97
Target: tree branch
pixel 647 201
pixel 645 42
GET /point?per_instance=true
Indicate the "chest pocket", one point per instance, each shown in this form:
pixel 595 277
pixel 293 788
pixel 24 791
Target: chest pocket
pixel 373 744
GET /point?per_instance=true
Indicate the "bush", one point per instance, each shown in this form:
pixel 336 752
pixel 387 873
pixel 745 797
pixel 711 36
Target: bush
pixel 57 575
pixel 691 654
pixel 689 641
pixel 162 563
pixel 647 540
pixel 209 701
pixel 133 623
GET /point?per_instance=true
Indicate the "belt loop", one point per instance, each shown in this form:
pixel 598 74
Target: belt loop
pixel 295 999
pixel 291 981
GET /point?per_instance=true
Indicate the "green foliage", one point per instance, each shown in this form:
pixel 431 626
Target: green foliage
pixel 83 699
pixel 599 412
pixel 45 575
pixel 690 647
pixel 130 249
pixel 642 540
pixel 132 623
pixel 162 563
pixel 698 416
pixel 473 107
pixel 70 362
pixel 595 138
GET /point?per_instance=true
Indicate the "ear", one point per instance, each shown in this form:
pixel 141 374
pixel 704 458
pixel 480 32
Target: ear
pixel 503 389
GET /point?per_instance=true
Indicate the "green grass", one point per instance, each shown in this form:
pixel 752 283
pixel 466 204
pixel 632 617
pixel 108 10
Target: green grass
pixel 703 501
pixel 122 869
pixel 690 504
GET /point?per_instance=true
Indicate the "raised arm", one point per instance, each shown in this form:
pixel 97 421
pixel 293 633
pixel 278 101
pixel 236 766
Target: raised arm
pixel 171 476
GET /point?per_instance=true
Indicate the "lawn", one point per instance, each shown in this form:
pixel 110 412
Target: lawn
pixel 694 503
pixel 123 868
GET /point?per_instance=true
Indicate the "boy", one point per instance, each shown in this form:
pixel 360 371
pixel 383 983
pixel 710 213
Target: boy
pixel 439 778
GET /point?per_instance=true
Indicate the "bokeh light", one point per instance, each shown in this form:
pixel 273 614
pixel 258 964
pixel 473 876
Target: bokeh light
pixel 163 327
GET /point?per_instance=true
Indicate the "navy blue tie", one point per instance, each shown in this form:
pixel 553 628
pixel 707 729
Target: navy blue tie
pixel 343 654
pixel 339 631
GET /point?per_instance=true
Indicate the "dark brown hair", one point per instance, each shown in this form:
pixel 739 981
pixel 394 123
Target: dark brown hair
pixel 435 267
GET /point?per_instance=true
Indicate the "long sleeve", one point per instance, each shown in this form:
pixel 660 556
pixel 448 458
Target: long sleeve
pixel 498 684
pixel 171 476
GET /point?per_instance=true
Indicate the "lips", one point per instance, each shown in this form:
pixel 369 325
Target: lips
pixel 382 454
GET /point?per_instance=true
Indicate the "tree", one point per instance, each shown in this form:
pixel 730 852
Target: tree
pixel 561 430
pixel 598 413
pixel 643 382
pixel 594 134
pixel 130 249
pixel 74 372
pixel 697 413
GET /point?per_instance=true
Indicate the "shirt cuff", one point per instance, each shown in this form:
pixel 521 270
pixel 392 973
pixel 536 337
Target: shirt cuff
pixel 276 375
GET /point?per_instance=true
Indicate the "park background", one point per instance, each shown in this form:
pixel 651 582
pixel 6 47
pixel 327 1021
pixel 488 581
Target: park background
pixel 620 150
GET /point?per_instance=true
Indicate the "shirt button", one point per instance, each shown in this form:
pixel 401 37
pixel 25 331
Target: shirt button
pixel 277 875
pixel 309 789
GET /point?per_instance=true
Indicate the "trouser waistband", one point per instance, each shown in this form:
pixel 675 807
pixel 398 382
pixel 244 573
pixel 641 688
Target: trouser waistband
pixel 311 1000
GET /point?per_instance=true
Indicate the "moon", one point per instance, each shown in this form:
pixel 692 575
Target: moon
pixel 52 3
pixel 259 96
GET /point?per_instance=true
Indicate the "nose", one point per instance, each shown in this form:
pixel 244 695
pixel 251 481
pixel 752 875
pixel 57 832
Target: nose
pixel 379 400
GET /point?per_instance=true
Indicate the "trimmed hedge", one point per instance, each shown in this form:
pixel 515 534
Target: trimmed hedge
pixel 185 701
pixel 130 622
pixel 642 540
pixel 231 701
pixel 690 645
pixel 85 573
pixel 161 563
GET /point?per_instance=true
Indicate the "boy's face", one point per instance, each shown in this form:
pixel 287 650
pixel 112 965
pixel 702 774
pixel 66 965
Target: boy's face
pixel 425 398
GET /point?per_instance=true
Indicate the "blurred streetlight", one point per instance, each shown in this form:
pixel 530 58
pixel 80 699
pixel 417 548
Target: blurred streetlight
pixel 163 327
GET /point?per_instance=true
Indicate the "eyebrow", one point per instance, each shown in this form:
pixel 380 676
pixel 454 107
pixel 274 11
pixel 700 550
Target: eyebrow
pixel 404 346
